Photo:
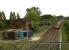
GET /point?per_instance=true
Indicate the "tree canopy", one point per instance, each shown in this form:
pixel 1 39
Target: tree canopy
pixel 18 16
pixel 48 16
pixel 2 16
pixel 33 14
pixel 12 16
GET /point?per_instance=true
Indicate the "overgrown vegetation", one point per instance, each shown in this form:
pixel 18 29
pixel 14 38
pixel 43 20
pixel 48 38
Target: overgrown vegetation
pixel 14 45
pixel 65 30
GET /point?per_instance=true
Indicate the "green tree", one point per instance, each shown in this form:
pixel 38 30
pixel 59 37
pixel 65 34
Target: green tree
pixel 2 25
pixel 33 16
pixel 48 16
pixel 12 16
pixel 60 17
pixel 3 16
pixel 0 16
pixel 18 16
pixel 47 19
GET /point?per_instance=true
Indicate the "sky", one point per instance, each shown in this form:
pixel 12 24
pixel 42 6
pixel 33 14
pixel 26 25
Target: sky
pixel 54 7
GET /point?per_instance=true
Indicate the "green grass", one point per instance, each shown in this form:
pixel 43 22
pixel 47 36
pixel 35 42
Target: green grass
pixel 13 45
pixel 65 47
pixel 65 30
pixel 64 37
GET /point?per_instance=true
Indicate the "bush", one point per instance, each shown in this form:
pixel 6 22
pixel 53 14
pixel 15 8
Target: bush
pixel 68 37
pixel 66 26
pixel 2 25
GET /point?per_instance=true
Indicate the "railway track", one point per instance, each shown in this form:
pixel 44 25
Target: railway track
pixel 51 35
pixel 53 38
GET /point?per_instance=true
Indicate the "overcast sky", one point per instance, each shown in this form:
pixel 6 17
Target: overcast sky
pixel 54 7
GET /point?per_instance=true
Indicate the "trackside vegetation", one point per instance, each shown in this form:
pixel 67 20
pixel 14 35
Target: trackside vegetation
pixel 65 30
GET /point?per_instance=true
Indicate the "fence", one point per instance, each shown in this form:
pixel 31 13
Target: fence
pixel 37 46
pixel 50 46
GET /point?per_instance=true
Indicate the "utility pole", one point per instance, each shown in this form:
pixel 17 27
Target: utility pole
pixel 27 28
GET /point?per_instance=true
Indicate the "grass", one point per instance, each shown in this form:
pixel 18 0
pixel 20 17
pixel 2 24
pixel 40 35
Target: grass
pixel 64 35
pixel 13 45
pixel 64 39
pixel 65 47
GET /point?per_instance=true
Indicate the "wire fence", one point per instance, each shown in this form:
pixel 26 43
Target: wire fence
pixel 36 46
pixel 50 46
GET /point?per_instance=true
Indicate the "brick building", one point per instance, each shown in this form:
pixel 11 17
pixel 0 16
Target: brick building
pixel 20 23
